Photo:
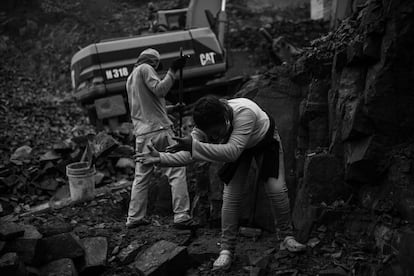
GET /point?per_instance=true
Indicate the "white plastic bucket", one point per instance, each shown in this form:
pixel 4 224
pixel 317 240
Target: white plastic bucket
pixel 81 181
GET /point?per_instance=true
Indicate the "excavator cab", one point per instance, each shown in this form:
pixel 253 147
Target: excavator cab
pixel 195 16
pixel 99 71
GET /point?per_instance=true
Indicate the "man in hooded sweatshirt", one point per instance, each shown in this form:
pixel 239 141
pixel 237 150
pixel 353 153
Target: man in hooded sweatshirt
pixel 152 126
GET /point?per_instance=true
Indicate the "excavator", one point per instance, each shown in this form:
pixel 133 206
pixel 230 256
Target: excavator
pixel 99 71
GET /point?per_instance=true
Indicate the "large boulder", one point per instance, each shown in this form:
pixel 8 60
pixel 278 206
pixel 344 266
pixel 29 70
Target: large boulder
pixel 10 231
pixel 10 264
pixel 163 258
pixel 96 251
pixel 62 267
pixel 129 253
pixel 26 245
pixel 66 245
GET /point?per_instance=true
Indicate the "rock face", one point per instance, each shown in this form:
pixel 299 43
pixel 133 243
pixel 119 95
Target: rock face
pixel 372 117
pixel 356 120
pixel 345 114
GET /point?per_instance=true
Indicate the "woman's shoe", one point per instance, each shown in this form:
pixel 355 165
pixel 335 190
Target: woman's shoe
pixel 223 262
pixel 291 245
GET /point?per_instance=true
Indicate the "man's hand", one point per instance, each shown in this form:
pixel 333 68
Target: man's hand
pixel 178 63
pixel 175 108
pixel 183 144
pixel 148 158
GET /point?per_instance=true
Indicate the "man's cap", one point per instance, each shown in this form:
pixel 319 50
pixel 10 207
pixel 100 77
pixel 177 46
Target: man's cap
pixel 151 52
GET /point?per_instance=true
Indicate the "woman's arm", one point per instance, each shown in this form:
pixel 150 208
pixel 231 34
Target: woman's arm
pixel 243 126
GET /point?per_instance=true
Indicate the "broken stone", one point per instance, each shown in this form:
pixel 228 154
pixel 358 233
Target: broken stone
pixel 129 253
pixel 103 144
pixel 62 147
pixel 250 232
pixel 61 193
pixel 125 163
pixel 10 264
pixel 163 258
pixel 62 267
pixel 406 252
pixel 99 176
pixel 405 205
pixel 51 248
pixel 112 259
pixel 55 228
pixel 25 246
pixel 183 237
pixel 51 155
pixel 21 155
pixel 383 236
pixel 249 89
pixel 32 271
pixel 337 271
pixel 96 250
pixel 256 271
pixel 10 231
pixel 122 151
pixel 115 250
pixel 259 260
pixel 49 184
pixel 313 242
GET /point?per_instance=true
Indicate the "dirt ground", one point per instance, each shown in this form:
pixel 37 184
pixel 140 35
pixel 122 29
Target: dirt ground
pixel 34 80
pixel 329 249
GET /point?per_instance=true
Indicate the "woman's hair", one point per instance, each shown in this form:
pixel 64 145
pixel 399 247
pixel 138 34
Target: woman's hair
pixel 209 111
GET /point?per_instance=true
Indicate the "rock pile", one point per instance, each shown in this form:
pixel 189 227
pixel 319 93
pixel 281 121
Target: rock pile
pixel 27 180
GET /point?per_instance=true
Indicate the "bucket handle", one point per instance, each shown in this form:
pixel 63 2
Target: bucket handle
pixel 88 155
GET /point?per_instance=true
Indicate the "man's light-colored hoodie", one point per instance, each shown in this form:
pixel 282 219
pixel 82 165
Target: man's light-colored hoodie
pixel 146 94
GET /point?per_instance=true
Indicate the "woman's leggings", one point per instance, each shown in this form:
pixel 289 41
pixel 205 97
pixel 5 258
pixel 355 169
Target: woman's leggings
pixel 235 192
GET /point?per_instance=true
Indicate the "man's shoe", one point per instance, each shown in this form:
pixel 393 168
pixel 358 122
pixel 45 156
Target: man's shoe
pixel 223 262
pixel 137 223
pixel 291 245
pixel 187 224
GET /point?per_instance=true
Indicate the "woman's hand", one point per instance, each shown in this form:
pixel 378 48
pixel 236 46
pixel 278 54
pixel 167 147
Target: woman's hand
pixel 148 158
pixel 183 144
